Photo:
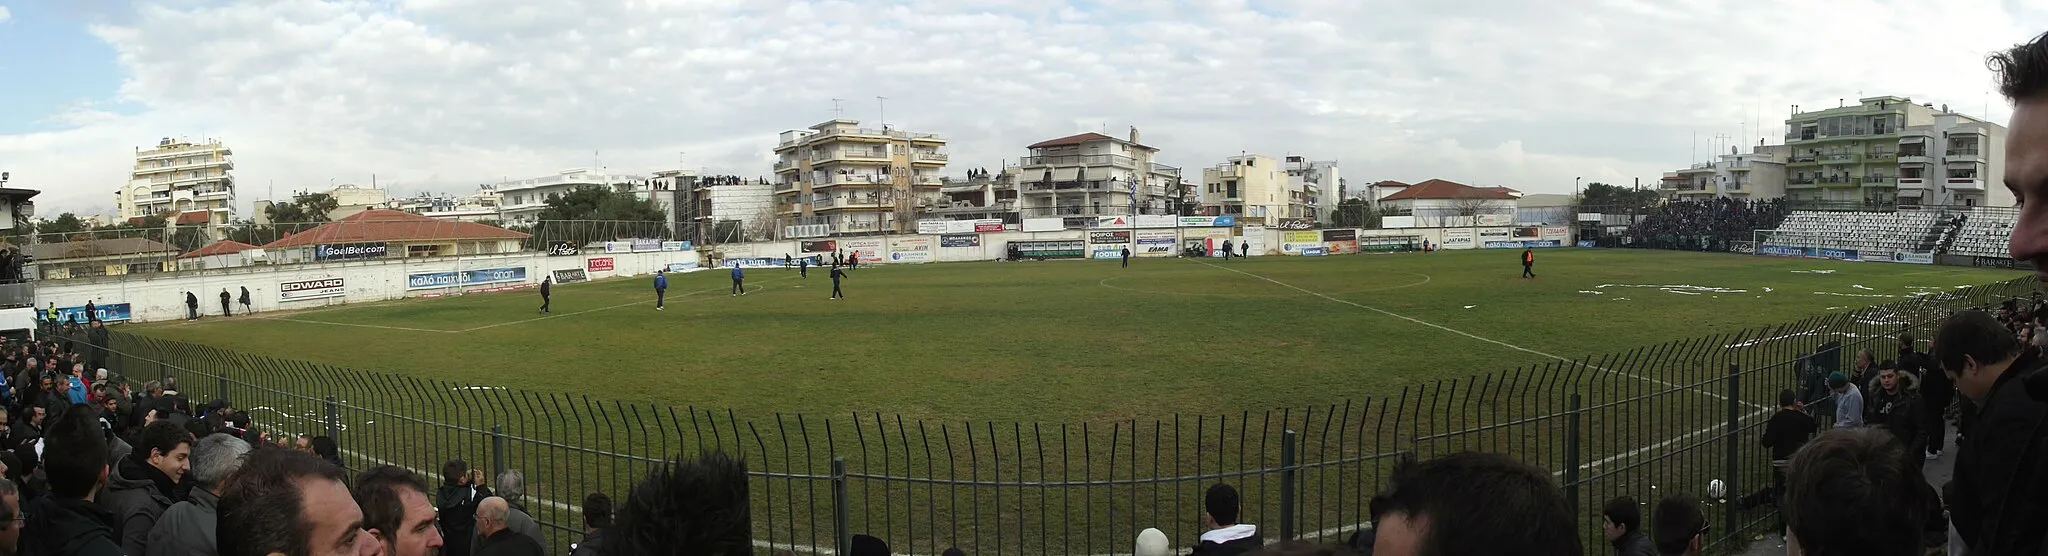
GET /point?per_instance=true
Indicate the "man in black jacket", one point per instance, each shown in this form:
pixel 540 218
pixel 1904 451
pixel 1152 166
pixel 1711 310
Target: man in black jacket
pixel 191 306
pixel 498 539
pixel 1936 391
pixel 1787 430
pixel 1895 405
pixel 597 517
pixel 1622 523
pixel 145 483
pixel 1224 535
pixel 461 490
pixel 1999 497
pixel 67 523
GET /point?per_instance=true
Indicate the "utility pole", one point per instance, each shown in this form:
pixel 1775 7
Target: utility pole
pixel 882 104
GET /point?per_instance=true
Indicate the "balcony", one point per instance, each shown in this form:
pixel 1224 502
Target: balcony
pixel 1966 184
pixel 1914 158
pixel 1885 156
pixel 1800 183
pixel 1840 158
pixel 1117 160
pixel 781 165
pixel 1839 182
pixel 1912 183
pixel 1803 160
pixel 1877 181
pixel 855 154
pixel 835 178
pixel 785 186
pixel 1971 156
pixel 939 158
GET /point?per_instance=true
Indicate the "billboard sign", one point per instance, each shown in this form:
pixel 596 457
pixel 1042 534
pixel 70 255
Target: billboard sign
pixel 865 249
pixel 494 275
pixel 1555 232
pixel 1115 221
pixel 1314 252
pixel 646 245
pixel 1109 254
pixel 618 247
pixel 1208 221
pixel 960 240
pixel 311 289
pixel 1155 242
pixel 1913 258
pixel 931 226
pixel 563 249
pixel 910 250
pixel 111 312
pixel 1342 234
pixel 601 264
pixel 988 225
pixel 571 276
pixel 819 246
pixel 432 280
pixel 349 251
pixel 1157 221
pixel 676 246
pixel 1118 236
pixel 1302 237
pixel 1458 239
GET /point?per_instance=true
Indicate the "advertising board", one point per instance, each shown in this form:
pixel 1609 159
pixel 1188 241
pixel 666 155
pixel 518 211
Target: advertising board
pixel 570 275
pixel 600 264
pixel 910 249
pixel 960 240
pixel 302 290
pixel 866 249
pixel 1117 236
pixel 349 251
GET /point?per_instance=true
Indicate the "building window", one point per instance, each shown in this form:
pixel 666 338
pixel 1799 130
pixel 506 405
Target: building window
pixel 144 268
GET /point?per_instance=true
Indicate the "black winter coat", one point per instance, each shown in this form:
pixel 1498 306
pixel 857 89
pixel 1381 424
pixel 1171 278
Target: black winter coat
pixel 136 495
pixel 456 505
pixel 67 527
pixel 1999 497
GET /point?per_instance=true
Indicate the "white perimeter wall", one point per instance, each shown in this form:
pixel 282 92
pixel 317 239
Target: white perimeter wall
pixel 162 296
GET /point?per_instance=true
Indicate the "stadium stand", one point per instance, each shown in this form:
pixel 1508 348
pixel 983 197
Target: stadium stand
pixel 1982 233
pixel 1864 232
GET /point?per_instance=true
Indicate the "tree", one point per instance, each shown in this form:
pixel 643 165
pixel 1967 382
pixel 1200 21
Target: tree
pixel 1600 196
pixel 304 208
pixel 1474 206
pixel 63 225
pixel 1355 213
pixel 597 213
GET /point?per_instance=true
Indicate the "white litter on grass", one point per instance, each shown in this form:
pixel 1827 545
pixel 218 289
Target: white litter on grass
pixel 461 388
pixel 1835 308
pixel 1860 287
pixel 1767 289
pixel 1470 306
pixel 1676 288
pixel 1593 292
pixel 1854 294
pixel 1681 292
pixel 1819 271
pixel 1621 299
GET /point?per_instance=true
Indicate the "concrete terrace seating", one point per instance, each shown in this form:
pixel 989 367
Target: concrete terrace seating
pixel 1870 233
pixel 1983 234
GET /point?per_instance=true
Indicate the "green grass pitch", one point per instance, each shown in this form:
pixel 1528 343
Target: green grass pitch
pixel 1072 341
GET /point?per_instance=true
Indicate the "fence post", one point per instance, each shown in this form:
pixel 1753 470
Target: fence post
pixel 1287 482
pixel 1732 484
pixel 333 420
pixel 842 518
pixel 1571 454
pixel 497 450
pixel 223 384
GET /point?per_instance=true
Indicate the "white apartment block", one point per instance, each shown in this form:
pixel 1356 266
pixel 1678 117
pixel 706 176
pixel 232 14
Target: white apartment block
pixel 180 176
pixel 481 206
pixel 979 196
pixel 721 208
pixel 1314 188
pixel 1887 150
pixel 1084 176
pixel 1260 189
pixel 1756 175
pixel 839 178
pixel 522 201
pixel 1957 160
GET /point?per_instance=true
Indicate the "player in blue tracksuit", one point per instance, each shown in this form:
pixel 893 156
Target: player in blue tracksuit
pixel 836 275
pixel 739 278
pixel 660 288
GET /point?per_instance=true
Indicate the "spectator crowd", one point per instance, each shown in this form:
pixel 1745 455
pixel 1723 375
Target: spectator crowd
pixel 1707 225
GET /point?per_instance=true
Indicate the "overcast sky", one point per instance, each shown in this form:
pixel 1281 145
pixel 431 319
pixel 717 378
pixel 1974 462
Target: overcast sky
pixel 441 95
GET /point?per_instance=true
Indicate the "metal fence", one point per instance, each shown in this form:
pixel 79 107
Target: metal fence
pixel 1656 420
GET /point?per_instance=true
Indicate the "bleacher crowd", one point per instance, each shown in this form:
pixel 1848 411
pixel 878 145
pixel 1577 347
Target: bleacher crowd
pixel 1709 225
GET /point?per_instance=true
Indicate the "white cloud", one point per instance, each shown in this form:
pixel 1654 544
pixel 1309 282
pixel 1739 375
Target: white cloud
pixel 445 94
pixel 5 15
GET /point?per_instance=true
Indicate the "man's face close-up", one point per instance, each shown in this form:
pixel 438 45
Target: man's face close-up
pixel 2026 175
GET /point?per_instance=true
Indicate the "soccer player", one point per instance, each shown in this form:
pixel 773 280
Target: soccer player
pixel 1127 257
pixel 803 267
pixel 853 260
pixel 1528 263
pixel 545 282
pixel 836 275
pixel 660 288
pixel 739 281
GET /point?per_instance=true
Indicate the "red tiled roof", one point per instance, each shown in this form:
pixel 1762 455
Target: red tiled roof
pixel 1441 189
pixel 393 226
pixel 1073 140
pixel 191 217
pixel 1389 183
pixel 222 247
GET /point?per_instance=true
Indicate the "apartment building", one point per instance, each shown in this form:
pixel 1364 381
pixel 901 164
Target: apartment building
pixel 1316 185
pixel 1080 177
pixel 839 178
pixel 521 201
pixel 1758 175
pixel 1957 160
pixel 481 206
pixel 180 176
pixel 720 208
pixel 1251 187
pixel 979 196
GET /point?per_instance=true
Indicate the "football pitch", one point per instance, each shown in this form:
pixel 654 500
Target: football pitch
pixel 1072 341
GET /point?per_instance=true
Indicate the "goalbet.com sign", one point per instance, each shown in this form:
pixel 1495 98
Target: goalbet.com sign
pixel 311 289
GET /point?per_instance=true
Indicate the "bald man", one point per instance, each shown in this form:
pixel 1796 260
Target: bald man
pixel 498 537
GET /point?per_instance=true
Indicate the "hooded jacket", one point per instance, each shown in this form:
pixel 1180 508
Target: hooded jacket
pixel 67 527
pixel 2000 492
pixel 136 495
pixel 1228 541
pixel 186 529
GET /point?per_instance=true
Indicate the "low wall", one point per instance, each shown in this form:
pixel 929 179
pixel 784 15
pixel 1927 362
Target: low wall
pixel 283 287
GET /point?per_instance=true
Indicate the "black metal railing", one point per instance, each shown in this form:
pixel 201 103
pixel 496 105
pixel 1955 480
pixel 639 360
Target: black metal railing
pixel 1645 422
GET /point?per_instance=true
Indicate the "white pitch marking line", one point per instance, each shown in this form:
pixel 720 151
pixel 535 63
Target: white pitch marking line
pixel 409 329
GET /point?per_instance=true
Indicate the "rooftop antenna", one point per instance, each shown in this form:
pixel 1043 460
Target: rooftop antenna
pixel 882 104
pixel 836 110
